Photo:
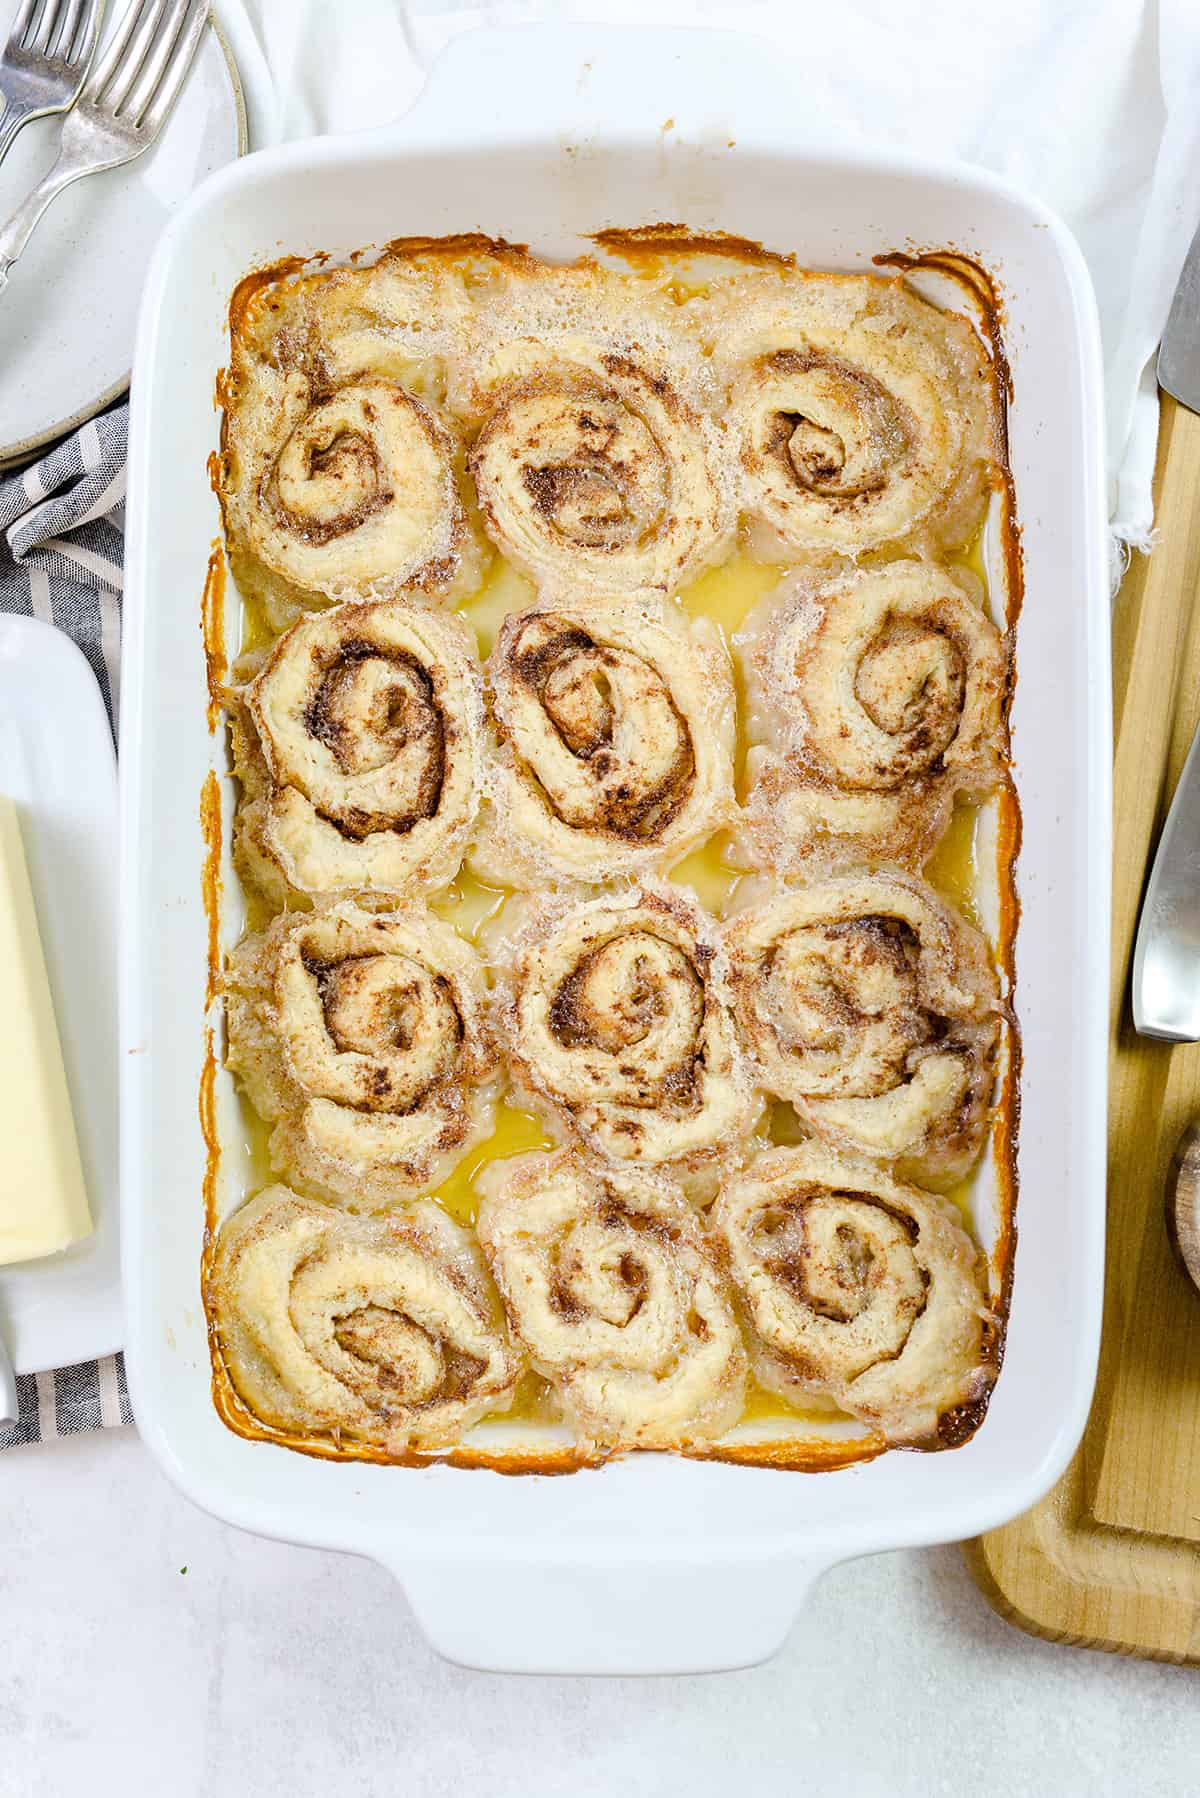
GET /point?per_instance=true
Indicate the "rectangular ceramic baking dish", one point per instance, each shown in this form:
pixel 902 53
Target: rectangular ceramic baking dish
pixel 651 1563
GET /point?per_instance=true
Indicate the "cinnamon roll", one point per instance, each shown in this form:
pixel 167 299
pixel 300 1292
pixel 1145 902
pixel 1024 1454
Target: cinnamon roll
pixel 874 1009
pixel 618 1297
pixel 385 1330
pixel 597 468
pixel 862 414
pixel 340 466
pixel 881 693
pixel 350 492
pixel 857 1287
pixel 370 720
pixel 362 1037
pixel 617 728
pixel 616 1019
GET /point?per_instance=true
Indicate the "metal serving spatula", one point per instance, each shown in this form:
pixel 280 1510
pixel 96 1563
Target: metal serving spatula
pixel 1166 958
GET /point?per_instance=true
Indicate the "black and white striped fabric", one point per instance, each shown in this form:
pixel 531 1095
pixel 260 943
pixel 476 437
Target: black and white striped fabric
pixel 65 1401
pixel 61 557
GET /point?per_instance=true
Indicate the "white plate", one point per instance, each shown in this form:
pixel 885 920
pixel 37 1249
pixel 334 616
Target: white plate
pixel 57 762
pixel 68 314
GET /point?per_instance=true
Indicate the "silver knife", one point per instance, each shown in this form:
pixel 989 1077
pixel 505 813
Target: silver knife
pixel 1179 351
pixel 1166 958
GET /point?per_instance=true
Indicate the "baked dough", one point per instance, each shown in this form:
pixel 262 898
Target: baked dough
pixel 861 415
pixel 385 1330
pixel 879 695
pixel 341 468
pixel 391 429
pixel 370 722
pixel 618 1297
pixel 615 1016
pixel 617 726
pixel 873 1008
pixel 857 1288
pixel 597 466
pixel 363 1037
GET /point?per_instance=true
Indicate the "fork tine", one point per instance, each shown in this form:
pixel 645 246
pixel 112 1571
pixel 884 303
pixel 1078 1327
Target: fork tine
pixel 64 30
pixel 157 58
pixel 16 36
pixel 62 27
pixel 145 32
pixel 55 40
pixel 83 43
pixel 35 36
pixel 114 51
pixel 182 53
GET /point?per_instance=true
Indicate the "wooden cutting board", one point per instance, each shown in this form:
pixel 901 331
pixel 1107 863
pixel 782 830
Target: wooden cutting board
pixel 1112 1557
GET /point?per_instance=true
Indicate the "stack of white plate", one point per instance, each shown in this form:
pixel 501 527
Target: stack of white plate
pixel 68 315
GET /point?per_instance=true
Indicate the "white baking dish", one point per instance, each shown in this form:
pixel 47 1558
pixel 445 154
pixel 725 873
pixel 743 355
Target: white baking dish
pixel 651 1563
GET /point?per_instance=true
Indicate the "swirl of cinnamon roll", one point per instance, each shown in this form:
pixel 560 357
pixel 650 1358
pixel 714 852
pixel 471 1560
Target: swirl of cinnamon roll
pixel 618 1298
pixel 873 1008
pixel 386 1330
pixel 863 415
pixel 616 1021
pixel 340 470
pixel 617 729
pixel 370 719
pixel 882 695
pixel 597 467
pixel 857 1287
pixel 349 492
pixel 362 1037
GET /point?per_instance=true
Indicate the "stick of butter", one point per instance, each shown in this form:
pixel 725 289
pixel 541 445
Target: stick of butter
pixel 43 1200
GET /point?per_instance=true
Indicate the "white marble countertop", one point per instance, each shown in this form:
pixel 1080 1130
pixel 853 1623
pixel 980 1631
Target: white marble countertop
pixel 266 1670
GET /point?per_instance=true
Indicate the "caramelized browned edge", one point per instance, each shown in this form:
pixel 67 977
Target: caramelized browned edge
pixel 212 628
pixel 459 243
pixel 210 830
pixel 790 1454
pixel 639 243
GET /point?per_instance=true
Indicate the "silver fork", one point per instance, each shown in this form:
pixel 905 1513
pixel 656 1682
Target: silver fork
pixel 45 60
pixel 124 104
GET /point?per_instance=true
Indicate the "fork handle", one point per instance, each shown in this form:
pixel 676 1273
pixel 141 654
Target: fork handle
pixel 17 230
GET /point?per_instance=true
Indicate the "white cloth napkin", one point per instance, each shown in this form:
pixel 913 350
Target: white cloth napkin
pixel 1094 105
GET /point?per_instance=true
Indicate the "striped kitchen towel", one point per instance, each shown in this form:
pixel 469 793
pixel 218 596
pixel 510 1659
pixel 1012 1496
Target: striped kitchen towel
pixel 64 1401
pixel 61 558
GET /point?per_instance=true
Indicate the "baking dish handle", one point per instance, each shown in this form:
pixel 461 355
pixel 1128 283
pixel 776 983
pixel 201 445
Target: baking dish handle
pixel 677 1616
pixel 700 89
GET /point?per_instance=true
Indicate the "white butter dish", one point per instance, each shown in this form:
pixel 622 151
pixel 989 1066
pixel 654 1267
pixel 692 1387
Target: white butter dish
pixel 57 763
